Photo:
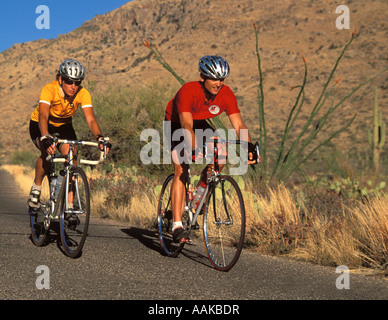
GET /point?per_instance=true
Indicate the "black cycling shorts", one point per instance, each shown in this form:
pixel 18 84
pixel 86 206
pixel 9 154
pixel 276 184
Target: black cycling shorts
pixel 65 131
pixel 171 127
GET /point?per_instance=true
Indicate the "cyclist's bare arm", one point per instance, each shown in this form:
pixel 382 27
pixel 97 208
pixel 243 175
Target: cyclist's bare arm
pixel 186 119
pixel 237 123
pixel 93 125
pixel 44 110
pixel 91 121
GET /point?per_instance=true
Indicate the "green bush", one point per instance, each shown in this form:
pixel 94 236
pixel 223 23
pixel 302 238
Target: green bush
pixel 123 113
pixel 121 186
pixel 24 157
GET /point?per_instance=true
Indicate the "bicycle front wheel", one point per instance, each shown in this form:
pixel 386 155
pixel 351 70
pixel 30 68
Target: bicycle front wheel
pixel 224 223
pixel 74 212
pixel 165 220
pixel 39 221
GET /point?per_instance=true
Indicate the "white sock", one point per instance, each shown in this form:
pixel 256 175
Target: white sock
pixel 177 224
pixel 35 187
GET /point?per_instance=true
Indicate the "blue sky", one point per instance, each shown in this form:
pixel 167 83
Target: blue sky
pixel 18 18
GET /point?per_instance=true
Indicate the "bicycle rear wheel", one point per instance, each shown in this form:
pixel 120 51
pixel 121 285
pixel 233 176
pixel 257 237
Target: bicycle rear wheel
pixel 39 221
pixel 169 247
pixel 224 223
pixel 74 222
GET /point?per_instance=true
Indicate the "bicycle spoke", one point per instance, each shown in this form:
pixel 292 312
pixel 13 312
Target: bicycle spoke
pixel 224 224
pixel 75 213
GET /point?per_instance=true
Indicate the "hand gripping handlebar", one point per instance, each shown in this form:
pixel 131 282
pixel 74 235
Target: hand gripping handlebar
pixel 61 158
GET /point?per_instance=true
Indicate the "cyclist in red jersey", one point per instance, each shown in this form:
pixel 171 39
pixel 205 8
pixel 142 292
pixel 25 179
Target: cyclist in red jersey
pixel 192 105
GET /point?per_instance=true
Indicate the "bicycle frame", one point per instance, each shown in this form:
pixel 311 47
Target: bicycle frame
pixel 212 180
pixel 70 159
pixel 70 205
pixel 223 210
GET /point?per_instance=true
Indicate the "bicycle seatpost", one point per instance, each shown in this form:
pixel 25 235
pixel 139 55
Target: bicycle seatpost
pixel 216 165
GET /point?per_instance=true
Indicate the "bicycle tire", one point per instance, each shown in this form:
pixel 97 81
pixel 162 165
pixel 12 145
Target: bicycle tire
pixel 39 222
pixel 224 223
pixel 169 247
pixel 74 223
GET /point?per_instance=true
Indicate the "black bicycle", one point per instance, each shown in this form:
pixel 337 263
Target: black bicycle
pixel 223 211
pixel 65 200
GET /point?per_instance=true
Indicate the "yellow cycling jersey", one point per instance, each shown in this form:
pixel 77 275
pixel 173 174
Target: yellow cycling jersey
pixel 61 109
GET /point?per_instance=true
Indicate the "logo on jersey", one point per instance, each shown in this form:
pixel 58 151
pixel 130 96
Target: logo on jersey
pixel 214 109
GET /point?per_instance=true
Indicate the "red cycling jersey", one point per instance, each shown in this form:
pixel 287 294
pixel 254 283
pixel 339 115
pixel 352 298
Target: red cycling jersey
pixel 191 98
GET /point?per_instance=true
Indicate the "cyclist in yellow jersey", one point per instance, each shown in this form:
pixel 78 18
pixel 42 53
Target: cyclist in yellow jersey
pixel 58 102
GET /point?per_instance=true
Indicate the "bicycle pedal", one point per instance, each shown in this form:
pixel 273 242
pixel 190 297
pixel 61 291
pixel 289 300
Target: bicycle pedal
pixel 73 221
pixel 188 241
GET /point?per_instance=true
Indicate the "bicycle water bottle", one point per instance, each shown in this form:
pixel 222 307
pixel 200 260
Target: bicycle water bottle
pixel 58 186
pixel 198 196
pixel 190 192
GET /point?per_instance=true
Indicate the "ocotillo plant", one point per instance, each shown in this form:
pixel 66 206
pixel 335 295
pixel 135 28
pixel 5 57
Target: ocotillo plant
pixel 288 161
pixel 262 128
pixel 377 138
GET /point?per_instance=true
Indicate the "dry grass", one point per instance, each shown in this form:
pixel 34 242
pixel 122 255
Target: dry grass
pixel 278 222
pixel 357 238
pixel 141 212
pixel 24 176
pixel 275 224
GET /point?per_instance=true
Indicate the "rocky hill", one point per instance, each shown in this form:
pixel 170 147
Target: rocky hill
pixel 111 48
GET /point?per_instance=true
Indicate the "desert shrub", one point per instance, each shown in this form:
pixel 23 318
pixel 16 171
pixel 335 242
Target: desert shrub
pixel 118 190
pixel 120 187
pixel 24 157
pixel 123 113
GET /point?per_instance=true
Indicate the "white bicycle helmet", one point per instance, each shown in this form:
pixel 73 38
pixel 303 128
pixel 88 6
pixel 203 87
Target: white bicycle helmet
pixel 72 69
pixel 214 67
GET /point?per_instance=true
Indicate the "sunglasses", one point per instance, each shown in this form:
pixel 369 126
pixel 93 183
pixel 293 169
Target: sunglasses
pixel 70 82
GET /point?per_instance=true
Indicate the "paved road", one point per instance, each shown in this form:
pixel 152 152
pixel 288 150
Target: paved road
pixel 124 262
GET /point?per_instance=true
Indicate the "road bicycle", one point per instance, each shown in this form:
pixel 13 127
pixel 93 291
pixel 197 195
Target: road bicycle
pixel 223 211
pixel 65 200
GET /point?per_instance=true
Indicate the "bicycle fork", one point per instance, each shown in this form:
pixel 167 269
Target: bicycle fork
pixel 228 220
pixel 72 195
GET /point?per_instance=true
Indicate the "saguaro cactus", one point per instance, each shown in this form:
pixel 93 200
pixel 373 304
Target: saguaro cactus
pixel 377 138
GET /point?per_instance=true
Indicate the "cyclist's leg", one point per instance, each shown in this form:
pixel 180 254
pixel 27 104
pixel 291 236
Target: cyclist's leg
pixel 178 197
pixel 66 131
pixel 64 150
pixel 41 167
pixel 178 191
